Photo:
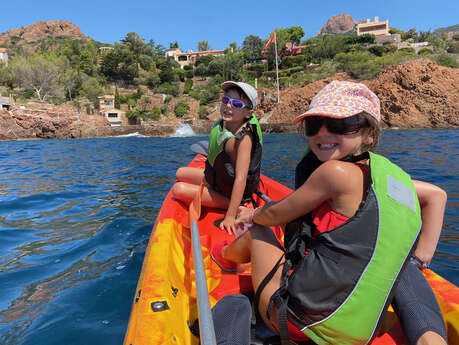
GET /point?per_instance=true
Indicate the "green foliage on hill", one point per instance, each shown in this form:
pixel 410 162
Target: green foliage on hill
pixel 447 29
pixel 79 71
pixel 181 108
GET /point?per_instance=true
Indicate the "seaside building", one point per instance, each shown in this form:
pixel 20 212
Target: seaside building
pixel 116 117
pixel 376 28
pixel 189 58
pixel 5 102
pixel 4 56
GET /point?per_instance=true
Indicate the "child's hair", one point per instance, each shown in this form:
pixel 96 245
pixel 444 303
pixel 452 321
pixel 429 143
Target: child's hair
pixel 373 130
pixel 241 94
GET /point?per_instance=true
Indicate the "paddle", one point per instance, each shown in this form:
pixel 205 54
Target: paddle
pixel 202 147
pixel 206 323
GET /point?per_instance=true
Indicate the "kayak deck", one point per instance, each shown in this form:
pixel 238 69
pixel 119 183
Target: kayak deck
pixel 165 301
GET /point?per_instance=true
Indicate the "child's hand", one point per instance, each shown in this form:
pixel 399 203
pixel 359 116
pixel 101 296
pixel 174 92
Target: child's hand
pixel 228 225
pixel 244 215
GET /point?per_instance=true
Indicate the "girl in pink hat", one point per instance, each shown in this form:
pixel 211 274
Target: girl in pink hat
pixel 351 227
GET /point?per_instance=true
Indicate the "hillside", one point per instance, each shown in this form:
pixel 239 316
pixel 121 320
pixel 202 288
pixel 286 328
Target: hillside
pixel 452 28
pixel 35 33
pixel 417 94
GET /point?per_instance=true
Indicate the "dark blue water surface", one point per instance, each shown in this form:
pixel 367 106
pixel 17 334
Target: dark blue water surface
pixel 76 215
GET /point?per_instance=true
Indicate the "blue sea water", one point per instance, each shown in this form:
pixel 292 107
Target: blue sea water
pixel 76 215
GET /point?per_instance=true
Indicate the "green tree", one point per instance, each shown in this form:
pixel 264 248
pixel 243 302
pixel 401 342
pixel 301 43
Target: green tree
pixel 147 62
pixel 393 31
pixel 91 89
pixel 88 59
pixel 119 64
pixel 294 34
pixel 410 34
pixel 173 44
pixel 117 99
pixel 377 50
pixel 166 73
pixel 153 80
pixel 203 46
pixel 6 77
pixel 201 70
pixel 38 73
pixel 181 108
pixel 109 64
pixel 70 81
pixel 134 43
pixel 233 47
pixel 204 60
pixel 252 47
pixel 188 85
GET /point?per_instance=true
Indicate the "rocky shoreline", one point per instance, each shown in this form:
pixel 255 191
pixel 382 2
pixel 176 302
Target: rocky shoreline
pixel 417 94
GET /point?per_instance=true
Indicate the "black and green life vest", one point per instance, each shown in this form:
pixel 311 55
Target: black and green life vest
pixel 219 171
pixel 339 292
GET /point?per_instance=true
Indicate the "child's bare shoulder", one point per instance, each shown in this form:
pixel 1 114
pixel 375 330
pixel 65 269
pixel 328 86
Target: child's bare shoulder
pixel 343 175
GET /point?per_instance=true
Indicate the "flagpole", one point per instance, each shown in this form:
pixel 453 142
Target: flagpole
pixel 277 67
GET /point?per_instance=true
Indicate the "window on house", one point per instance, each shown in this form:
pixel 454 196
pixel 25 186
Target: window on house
pixel 113 115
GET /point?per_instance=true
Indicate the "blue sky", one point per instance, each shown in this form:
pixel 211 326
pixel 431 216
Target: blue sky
pixel 219 22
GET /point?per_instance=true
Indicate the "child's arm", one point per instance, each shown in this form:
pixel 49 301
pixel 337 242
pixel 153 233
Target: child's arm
pixel 432 200
pixel 241 151
pixel 332 181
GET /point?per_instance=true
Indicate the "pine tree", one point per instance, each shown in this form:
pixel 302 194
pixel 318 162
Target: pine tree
pixel 117 99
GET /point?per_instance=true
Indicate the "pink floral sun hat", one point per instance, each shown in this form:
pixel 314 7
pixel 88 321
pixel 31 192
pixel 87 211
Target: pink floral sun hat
pixel 341 99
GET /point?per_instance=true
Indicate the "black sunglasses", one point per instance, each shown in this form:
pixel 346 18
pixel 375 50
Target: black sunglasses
pixel 349 125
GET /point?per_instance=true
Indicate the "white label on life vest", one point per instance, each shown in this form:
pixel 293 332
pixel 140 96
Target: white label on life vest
pixel 224 137
pixel 401 193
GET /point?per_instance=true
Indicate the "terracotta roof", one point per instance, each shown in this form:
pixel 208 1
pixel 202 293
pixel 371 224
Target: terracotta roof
pixel 3 50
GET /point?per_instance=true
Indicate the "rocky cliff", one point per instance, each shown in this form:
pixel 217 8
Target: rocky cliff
pixel 340 24
pixel 42 30
pixel 417 94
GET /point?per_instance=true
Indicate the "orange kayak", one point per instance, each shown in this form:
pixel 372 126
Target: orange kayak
pixel 165 301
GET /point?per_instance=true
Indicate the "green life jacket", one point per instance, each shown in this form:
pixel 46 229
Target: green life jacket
pixel 219 171
pixel 339 292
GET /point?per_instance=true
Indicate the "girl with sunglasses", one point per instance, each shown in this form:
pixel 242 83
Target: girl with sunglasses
pixel 351 226
pixel 232 171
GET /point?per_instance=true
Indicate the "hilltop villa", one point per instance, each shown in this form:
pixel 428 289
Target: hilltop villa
pixel 376 28
pixel 189 58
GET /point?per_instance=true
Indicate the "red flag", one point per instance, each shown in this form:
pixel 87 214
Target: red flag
pixel 271 40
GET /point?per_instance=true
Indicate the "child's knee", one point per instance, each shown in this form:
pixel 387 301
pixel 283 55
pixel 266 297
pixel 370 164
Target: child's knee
pixel 178 189
pixel 179 173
